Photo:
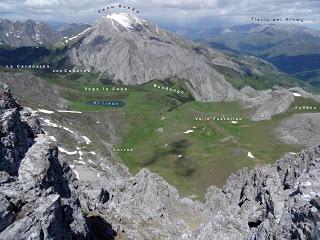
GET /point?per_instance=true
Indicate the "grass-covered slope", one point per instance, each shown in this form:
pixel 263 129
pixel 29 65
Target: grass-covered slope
pixel 162 129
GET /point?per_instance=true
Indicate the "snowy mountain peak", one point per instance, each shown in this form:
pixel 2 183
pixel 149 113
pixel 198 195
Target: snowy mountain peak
pixel 126 20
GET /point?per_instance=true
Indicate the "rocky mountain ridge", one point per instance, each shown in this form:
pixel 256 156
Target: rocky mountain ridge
pixel 31 33
pixel 128 50
pixel 28 33
pixel 38 193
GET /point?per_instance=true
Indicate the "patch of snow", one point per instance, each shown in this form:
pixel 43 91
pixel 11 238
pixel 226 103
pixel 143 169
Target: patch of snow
pixel 126 20
pixel 297 94
pixel 98 175
pixel 114 25
pixel 63 111
pixel 81 162
pixel 189 131
pixel 45 111
pixel 306 197
pixel 53 138
pixel 87 140
pixel 71 166
pixel 76 173
pixel 80 155
pixel 234 122
pixel 93 153
pixel 50 124
pixel 180 156
pixel 314 210
pixel 83 32
pixel 97 122
pixel 70 39
pixel 250 155
pixel 67 152
pixel 306 184
pixel 160 130
pixel 68 130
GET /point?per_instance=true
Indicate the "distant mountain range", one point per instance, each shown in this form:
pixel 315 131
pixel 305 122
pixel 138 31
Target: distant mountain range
pixel 128 50
pixel 291 48
pixel 32 33
pixel 125 49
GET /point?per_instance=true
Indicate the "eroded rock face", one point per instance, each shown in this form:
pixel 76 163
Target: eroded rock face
pixel 16 136
pixel 279 201
pixel 265 104
pixel 28 33
pixel 301 129
pixel 138 52
pixel 38 197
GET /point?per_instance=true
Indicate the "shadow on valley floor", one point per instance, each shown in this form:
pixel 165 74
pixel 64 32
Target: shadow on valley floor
pixel 184 166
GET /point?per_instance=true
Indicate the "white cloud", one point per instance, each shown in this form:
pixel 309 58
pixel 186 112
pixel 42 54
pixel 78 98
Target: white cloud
pixel 175 11
pixel 42 3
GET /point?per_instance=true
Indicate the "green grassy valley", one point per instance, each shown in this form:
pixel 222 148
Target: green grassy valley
pixel 161 129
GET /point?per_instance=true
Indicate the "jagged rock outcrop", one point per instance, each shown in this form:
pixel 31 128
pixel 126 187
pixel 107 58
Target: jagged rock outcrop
pixel 265 104
pixel 16 135
pixel 38 196
pixel 28 33
pixel 279 201
pixel 28 86
pixel 145 207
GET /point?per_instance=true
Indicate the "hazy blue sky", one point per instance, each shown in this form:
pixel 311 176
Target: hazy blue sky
pixel 194 13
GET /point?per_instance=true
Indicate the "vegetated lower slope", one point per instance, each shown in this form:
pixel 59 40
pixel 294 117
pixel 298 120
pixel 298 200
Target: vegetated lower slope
pixel 162 129
pixel 42 196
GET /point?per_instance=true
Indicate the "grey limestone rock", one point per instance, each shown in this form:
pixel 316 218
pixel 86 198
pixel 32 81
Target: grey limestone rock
pixel 265 104
pixel 38 196
pixel 128 50
pixel 301 129
pixel 28 33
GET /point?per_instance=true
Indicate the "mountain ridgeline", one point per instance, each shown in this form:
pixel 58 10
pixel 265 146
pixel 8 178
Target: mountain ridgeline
pixel 292 49
pixel 128 50
pixel 125 49
pixel 30 33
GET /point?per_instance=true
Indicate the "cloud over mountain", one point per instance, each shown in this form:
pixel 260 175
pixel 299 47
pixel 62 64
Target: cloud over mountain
pixel 165 10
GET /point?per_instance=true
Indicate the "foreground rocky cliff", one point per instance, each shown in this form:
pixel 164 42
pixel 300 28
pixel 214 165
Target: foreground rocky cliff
pixel 41 198
pixel 38 196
